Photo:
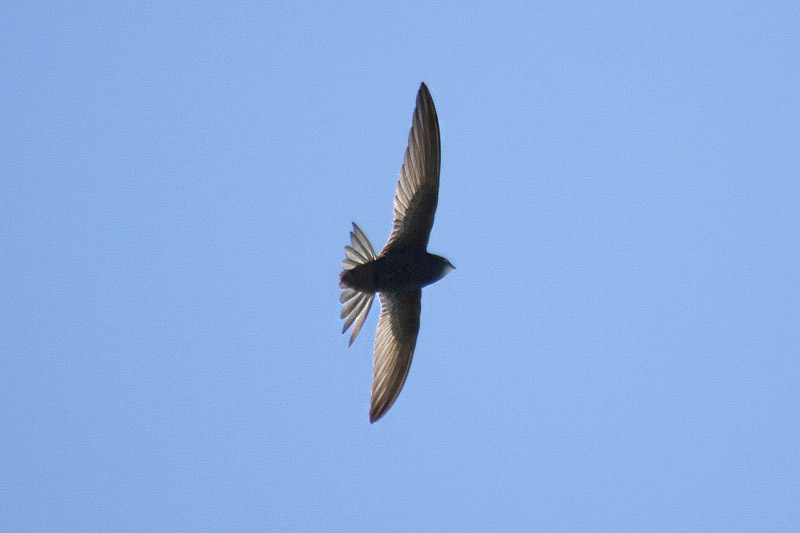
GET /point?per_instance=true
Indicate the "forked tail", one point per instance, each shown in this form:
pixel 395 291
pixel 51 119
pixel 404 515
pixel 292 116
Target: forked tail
pixel 355 304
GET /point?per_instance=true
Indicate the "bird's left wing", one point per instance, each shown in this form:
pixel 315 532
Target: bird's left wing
pixel 394 347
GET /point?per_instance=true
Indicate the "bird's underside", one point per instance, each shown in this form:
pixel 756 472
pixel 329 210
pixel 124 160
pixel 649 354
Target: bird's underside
pixel 403 267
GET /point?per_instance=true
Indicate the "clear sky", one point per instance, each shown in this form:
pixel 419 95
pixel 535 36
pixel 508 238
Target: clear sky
pixel 619 347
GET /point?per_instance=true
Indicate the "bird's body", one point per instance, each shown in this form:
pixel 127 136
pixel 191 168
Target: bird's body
pixel 398 271
pixel 404 265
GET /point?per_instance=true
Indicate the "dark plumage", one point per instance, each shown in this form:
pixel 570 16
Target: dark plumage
pixel 403 267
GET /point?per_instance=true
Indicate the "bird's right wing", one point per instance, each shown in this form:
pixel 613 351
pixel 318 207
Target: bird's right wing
pixel 417 190
pixel 394 347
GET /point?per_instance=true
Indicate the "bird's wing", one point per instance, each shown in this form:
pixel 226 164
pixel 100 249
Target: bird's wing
pixel 394 347
pixel 417 190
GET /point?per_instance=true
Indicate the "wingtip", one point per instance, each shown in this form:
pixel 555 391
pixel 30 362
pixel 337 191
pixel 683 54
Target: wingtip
pixel 424 88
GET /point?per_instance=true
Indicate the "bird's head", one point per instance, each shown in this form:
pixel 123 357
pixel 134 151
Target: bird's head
pixel 444 266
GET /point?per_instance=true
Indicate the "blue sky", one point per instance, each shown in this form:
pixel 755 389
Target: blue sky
pixel 618 348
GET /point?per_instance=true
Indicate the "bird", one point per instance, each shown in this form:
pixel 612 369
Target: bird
pixel 404 265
